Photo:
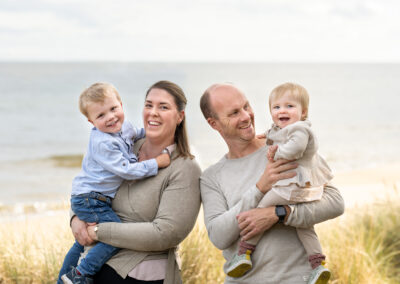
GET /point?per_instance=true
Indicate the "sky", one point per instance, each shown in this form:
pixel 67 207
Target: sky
pixel 208 30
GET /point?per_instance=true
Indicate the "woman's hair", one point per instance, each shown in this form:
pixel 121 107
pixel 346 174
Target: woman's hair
pixel 180 137
pixel 96 93
pixel 298 92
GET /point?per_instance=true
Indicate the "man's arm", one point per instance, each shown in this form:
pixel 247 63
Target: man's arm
pixel 221 221
pixel 303 215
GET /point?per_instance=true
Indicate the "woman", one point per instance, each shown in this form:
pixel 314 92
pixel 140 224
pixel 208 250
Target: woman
pixel 157 213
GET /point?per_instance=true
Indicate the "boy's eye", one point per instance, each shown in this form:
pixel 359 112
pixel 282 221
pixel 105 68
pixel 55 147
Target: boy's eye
pixel 100 115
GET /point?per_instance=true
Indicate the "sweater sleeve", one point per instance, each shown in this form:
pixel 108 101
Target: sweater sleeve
pixel 295 145
pixel 175 218
pixel 110 157
pixel 220 220
pixel 305 215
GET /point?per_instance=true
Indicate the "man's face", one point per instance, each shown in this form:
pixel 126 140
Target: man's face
pixel 235 117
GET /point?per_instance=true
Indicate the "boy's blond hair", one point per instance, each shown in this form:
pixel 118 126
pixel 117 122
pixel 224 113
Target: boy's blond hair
pixel 96 93
pixel 298 92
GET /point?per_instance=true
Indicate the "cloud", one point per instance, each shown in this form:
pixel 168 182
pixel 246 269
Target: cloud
pixel 177 30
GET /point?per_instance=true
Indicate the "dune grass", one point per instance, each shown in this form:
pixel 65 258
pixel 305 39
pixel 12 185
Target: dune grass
pixel 363 246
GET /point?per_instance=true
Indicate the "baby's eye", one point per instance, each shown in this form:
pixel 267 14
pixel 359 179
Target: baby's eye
pixel 290 106
pixel 276 107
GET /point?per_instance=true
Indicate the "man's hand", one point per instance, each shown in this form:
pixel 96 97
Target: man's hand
pixel 256 221
pixel 271 153
pixel 79 230
pixel 274 171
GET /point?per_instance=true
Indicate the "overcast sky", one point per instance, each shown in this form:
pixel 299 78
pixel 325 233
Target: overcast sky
pixel 208 30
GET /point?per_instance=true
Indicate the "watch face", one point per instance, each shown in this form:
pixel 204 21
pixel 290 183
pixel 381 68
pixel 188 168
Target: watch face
pixel 280 211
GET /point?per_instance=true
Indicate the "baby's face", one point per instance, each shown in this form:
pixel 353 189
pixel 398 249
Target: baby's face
pixel 106 116
pixel 286 110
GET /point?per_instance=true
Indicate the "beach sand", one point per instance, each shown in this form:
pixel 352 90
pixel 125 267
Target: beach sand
pixel 359 187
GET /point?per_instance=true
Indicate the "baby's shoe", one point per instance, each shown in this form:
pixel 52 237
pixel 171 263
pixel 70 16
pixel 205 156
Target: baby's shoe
pixel 239 264
pixel 319 275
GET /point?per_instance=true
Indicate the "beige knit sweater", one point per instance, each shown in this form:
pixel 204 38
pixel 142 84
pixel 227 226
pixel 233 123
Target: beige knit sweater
pixel 157 213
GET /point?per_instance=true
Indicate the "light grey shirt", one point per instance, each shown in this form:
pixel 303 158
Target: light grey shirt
pixel 228 188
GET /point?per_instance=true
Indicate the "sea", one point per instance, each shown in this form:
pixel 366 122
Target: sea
pixel 354 110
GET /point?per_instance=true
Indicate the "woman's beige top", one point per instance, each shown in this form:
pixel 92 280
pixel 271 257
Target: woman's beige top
pixel 157 213
pixel 298 142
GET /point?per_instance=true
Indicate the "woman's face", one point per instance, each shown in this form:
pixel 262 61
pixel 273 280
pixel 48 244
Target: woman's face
pixel 161 116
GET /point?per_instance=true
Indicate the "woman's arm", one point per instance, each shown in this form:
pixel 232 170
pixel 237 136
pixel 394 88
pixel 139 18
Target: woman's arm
pixel 175 218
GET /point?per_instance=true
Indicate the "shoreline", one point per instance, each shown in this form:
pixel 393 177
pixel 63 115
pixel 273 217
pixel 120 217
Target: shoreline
pixel 358 187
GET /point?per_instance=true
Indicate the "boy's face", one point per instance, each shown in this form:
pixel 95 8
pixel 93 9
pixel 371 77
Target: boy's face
pixel 286 110
pixel 106 116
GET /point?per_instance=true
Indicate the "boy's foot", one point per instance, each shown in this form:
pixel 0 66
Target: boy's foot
pixel 319 275
pixel 239 265
pixel 72 277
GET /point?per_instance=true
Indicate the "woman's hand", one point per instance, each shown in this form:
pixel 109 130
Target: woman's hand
pixel 275 171
pixel 90 229
pixel 79 230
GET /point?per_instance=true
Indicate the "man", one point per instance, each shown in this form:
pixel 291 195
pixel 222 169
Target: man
pixel 232 188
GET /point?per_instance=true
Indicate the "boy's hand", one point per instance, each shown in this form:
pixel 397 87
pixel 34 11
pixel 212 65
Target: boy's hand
pixel 163 160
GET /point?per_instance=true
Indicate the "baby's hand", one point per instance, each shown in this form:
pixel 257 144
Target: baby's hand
pixel 271 152
pixel 261 136
pixel 163 160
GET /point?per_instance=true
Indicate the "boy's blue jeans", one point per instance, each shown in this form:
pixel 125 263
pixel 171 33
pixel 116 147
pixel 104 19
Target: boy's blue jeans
pixel 90 207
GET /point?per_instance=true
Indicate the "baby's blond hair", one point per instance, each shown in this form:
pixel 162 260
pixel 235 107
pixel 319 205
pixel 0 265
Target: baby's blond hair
pixel 298 92
pixel 96 93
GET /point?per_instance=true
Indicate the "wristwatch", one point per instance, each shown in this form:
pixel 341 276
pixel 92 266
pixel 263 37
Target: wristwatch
pixel 280 211
pixel 95 229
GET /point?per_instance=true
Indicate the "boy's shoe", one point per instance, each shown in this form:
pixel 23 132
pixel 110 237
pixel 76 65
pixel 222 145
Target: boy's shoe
pixel 74 278
pixel 319 275
pixel 239 265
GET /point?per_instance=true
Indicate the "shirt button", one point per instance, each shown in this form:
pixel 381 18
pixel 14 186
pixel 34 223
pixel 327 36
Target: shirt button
pixel 123 164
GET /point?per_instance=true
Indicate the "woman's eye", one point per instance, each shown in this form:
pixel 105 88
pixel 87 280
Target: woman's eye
pixel 147 105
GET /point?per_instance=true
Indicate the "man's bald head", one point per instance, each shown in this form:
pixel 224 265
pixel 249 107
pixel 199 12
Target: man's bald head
pixel 206 101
